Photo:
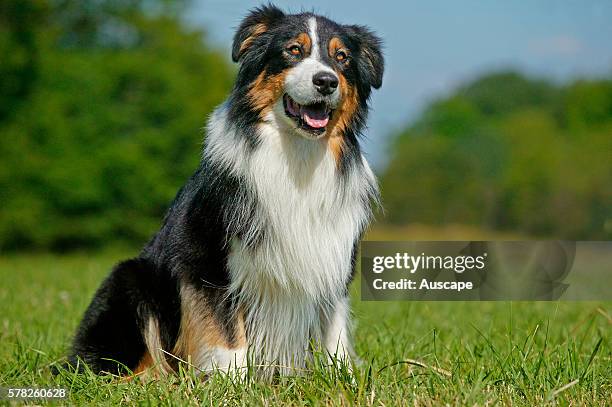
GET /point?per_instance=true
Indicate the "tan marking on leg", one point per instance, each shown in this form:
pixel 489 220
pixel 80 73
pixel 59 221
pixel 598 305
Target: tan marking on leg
pixel 198 327
pixel 145 363
pixel 200 331
pixel 143 370
pixel 155 349
pixel 153 363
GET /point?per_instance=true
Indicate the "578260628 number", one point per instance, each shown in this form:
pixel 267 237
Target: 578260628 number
pixel 32 393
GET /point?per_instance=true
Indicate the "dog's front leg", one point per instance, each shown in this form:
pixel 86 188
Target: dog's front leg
pixel 231 361
pixel 336 335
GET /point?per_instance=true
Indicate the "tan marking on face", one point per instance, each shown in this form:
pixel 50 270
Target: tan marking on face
pixel 342 116
pixel 335 45
pixel 336 146
pixel 304 41
pixel 265 91
pixel 258 29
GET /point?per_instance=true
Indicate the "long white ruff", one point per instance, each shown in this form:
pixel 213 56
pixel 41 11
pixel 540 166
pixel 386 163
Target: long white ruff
pixel 287 287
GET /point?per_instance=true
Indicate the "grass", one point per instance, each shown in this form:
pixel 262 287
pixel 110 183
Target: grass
pixel 413 353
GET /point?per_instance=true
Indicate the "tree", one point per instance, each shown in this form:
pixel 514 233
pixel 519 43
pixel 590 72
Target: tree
pixel 508 152
pixel 108 131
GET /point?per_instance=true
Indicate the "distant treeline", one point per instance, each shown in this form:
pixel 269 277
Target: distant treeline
pixel 101 109
pixel 507 152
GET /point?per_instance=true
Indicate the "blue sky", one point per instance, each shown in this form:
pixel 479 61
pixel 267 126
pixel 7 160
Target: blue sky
pixel 433 46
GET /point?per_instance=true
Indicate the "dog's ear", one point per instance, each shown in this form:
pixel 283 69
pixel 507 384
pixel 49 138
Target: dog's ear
pixel 371 60
pixel 257 22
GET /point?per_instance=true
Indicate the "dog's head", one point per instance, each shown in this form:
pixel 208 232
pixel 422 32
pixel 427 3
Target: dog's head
pixel 315 74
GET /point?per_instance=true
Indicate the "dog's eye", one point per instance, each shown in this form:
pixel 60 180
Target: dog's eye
pixel 295 50
pixel 341 56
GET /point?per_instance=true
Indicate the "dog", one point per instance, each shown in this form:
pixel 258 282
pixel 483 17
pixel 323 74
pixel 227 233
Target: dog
pixel 255 255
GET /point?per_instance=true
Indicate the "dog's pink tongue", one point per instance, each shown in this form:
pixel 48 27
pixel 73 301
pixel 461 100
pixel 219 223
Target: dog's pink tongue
pixel 315 118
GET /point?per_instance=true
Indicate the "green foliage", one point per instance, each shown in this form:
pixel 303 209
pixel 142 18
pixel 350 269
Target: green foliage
pixel 94 146
pixel 507 152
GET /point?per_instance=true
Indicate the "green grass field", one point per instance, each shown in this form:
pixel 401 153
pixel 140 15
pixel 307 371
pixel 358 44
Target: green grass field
pixel 412 353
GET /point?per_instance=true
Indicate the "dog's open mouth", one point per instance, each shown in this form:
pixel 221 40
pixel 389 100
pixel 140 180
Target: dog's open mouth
pixel 312 118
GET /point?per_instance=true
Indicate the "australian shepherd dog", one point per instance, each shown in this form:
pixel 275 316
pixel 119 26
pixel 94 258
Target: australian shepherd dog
pixel 254 259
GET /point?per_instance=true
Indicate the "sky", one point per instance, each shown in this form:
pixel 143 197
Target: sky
pixel 433 46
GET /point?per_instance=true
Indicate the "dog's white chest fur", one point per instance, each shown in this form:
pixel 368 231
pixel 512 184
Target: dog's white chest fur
pixel 290 282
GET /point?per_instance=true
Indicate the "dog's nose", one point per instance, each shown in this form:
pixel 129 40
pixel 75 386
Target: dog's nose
pixel 325 82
